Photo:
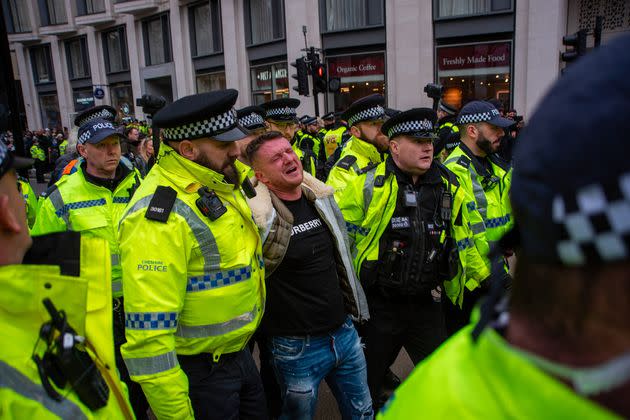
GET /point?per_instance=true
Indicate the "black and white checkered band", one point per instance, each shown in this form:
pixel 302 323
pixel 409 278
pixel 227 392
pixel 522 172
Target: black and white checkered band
pixel 204 128
pixel 479 117
pixel 103 113
pixel 410 127
pixel 367 114
pixel 594 223
pixel 285 112
pixel 251 120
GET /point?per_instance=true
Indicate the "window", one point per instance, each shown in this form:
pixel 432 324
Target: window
pixel 359 74
pixel 53 12
pixel 461 8
pixel 210 81
pixel 77 58
pixel 42 65
pixel 88 7
pixel 475 71
pixel 121 96
pixel 115 50
pixel 269 82
pixel 157 40
pixel 205 29
pixel 16 16
pixel 345 15
pixel 49 108
pixel 265 21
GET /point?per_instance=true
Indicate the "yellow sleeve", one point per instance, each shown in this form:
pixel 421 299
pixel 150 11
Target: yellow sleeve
pixel 154 262
pixel 49 219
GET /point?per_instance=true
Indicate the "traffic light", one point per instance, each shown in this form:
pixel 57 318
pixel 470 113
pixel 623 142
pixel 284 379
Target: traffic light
pixel 301 76
pixel 320 84
pixel 578 43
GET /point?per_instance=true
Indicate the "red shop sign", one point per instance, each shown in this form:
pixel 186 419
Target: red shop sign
pixel 356 65
pixel 474 56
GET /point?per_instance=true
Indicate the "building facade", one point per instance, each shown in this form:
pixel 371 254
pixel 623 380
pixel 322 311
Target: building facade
pixel 69 55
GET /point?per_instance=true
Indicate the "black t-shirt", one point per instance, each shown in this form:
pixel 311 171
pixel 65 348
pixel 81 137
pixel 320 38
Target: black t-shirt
pixel 303 293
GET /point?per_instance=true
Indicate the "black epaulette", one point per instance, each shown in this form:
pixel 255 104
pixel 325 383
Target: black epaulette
pixel 347 162
pixel 448 174
pixel 463 161
pixel 161 204
pixel 367 168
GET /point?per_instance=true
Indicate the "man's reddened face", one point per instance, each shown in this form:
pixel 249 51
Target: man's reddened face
pixel 277 166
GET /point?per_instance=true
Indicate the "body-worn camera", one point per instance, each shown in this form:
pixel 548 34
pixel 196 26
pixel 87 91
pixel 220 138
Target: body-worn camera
pixel 210 204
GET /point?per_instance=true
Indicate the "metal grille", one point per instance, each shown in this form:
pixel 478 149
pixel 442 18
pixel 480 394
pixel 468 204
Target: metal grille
pixel 616 14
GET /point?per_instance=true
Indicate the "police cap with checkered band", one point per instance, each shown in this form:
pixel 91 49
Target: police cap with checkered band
pixel 571 185
pixel 204 115
pixel 418 123
pixel 368 108
pixel 281 110
pixel 251 117
pixel 104 112
pixel 96 130
pixel 482 111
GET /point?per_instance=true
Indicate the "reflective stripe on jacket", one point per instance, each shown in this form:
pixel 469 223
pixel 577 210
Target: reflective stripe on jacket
pixel 76 204
pixel 191 285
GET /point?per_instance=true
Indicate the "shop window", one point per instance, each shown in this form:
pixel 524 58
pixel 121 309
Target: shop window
pixel 83 99
pixel 16 16
pixel 207 82
pixel 264 20
pixel 463 8
pixel 49 107
pixel 77 58
pixel 42 65
pixel 157 40
pixel 475 72
pixel 345 15
pixel 121 96
pixel 269 82
pixel 115 50
pixel 205 28
pixel 52 12
pixel 360 75
pixel 89 7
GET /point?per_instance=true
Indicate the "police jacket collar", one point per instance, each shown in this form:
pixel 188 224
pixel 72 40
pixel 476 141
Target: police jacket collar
pixel 121 173
pixel 365 149
pixel 188 175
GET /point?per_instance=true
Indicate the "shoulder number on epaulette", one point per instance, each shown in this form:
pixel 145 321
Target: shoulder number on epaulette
pixel 161 204
pixel 347 162
pixel 463 161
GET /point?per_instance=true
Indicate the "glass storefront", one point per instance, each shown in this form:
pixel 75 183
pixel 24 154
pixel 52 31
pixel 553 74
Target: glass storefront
pixel 121 96
pixel 269 81
pixel 476 71
pixel 210 81
pixel 83 99
pixel 49 107
pixel 360 75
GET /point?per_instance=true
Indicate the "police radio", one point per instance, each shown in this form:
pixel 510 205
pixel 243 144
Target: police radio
pixel 209 204
pixel 66 360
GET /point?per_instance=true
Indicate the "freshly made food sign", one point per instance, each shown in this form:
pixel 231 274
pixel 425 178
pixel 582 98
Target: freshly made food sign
pixel 474 56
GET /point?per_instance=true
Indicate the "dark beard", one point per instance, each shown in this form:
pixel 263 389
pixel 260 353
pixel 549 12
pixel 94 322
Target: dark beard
pixel 229 172
pixel 484 144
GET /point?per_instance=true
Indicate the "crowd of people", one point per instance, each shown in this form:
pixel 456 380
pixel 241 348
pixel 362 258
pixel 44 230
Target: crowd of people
pixel 330 244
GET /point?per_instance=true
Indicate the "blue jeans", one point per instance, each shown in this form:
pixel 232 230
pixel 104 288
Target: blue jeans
pixel 300 364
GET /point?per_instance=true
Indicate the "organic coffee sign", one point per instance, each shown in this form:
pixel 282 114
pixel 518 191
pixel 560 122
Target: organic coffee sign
pixel 356 65
pixel 474 56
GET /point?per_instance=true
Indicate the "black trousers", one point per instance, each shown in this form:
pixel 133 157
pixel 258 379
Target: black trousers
pixel 138 401
pixel 227 389
pixel 415 324
pixel 273 394
pixel 40 169
pixel 457 318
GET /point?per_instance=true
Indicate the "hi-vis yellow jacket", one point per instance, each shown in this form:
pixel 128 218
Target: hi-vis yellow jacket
pixel 87 301
pixel 191 284
pixel 76 204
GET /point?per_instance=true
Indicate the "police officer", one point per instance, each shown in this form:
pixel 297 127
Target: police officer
pixel 560 347
pixel 486 178
pixel 92 201
pixel 36 379
pixel 251 118
pixel 448 131
pixel 30 199
pixel 39 157
pixel 281 116
pixel 364 151
pixel 193 294
pixel 406 247
pixel 333 136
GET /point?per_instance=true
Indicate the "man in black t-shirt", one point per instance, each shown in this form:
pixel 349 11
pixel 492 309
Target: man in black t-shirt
pixel 313 294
